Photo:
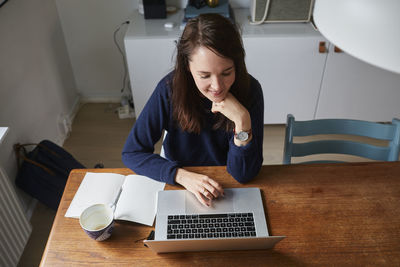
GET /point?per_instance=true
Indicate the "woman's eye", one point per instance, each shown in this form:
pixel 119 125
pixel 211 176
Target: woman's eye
pixel 226 74
pixel 204 77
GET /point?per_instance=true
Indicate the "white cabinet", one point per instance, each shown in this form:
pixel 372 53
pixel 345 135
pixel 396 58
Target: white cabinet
pixel 289 70
pixel 354 89
pixel 150 54
pixel 296 78
pixel 148 62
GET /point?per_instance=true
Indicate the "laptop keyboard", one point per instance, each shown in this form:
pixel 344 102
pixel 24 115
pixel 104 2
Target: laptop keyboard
pixel 211 226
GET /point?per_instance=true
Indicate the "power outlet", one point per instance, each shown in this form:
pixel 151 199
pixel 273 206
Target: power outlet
pixel 64 125
pixel 126 112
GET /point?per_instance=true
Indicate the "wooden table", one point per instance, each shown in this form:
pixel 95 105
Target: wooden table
pixel 332 214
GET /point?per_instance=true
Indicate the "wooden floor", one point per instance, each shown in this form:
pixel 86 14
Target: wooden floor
pixel 98 136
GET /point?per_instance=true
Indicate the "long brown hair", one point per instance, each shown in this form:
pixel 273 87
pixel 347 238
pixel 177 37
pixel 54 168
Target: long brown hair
pixel 220 35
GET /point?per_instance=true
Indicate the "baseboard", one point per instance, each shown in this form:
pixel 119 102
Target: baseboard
pixel 79 101
pixel 75 108
pixel 69 117
pixel 101 99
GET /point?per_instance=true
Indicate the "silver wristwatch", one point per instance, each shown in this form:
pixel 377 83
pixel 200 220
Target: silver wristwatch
pixel 242 135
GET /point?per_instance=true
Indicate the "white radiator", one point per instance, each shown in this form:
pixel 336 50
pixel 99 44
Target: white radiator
pixel 15 229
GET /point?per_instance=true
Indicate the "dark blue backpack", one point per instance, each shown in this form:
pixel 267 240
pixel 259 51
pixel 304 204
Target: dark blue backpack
pixel 43 172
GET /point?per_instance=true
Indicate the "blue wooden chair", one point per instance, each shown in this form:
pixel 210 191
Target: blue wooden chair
pixel 389 132
pixel 162 151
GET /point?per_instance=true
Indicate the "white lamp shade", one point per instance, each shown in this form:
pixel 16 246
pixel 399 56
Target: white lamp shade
pixel 366 29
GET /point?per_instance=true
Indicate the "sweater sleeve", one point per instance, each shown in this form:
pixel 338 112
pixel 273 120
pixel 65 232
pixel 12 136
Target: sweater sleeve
pixel 244 162
pixel 137 153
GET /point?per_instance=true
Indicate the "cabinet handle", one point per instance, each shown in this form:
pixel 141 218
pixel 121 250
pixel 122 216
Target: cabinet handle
pixel 322 47
pixel 337 49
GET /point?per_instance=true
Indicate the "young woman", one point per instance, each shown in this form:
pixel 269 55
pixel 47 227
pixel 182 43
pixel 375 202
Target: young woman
pixel 211 108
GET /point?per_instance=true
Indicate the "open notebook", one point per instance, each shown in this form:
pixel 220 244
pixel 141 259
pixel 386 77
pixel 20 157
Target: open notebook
pixel 135 196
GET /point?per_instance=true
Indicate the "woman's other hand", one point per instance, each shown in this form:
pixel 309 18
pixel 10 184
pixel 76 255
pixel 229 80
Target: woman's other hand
pixel 204 188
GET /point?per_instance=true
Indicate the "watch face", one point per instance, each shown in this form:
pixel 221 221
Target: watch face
pixel 242 136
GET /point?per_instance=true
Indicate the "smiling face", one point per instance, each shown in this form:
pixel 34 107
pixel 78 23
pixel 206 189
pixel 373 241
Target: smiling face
pixel 213 74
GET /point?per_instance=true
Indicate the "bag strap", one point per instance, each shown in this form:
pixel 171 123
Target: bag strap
pixel 40 145
pixel 17 149
pixel 264 16
pixel 39 165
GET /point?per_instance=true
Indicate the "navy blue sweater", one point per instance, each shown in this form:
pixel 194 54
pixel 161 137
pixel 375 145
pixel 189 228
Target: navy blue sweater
pixel 209 148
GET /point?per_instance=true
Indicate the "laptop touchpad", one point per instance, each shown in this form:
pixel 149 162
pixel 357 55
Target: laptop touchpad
pixel 222 204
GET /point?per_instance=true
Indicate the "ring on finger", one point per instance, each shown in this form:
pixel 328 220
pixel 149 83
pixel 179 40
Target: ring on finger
pixel 204 191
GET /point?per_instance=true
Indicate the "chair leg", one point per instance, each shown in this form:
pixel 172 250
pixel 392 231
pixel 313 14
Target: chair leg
pixel 287 149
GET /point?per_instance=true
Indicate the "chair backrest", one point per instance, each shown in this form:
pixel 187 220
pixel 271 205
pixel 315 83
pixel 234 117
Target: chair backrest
pixel 162 151
pixel 380 131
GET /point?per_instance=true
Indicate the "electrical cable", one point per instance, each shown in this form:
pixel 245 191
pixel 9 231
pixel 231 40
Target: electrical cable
pixel 264 16
pixel 122 54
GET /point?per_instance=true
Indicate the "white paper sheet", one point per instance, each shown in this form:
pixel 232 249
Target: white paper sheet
pixel 138 200
pixel 96 188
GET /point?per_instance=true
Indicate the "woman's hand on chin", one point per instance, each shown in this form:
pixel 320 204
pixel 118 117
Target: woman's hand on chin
pixel 231 108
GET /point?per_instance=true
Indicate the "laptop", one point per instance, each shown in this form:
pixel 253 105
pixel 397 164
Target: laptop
pixel 234 222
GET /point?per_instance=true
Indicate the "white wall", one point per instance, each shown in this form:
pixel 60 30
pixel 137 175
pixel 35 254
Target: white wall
pixel 37 87
pixel 88 29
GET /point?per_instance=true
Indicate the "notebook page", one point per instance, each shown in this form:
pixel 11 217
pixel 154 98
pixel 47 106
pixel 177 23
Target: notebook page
pixel 138 200
pixel 96 188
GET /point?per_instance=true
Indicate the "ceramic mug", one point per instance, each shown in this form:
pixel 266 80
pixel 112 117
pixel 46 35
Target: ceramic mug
pixel 97 221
